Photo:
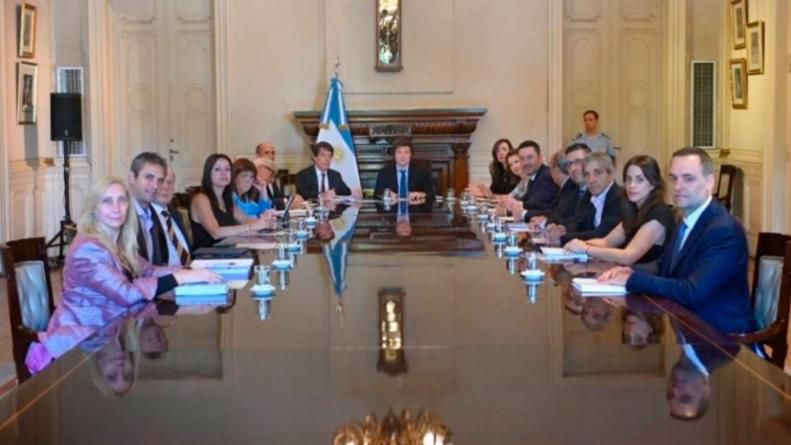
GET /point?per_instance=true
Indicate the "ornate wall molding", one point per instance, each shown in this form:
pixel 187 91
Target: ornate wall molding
pixel 221 73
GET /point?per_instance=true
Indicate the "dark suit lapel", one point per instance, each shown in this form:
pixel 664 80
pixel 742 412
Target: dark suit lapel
pixel 141 241
pixel 700 226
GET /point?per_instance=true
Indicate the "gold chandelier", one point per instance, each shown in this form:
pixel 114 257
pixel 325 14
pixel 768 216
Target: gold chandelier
pixel 427 429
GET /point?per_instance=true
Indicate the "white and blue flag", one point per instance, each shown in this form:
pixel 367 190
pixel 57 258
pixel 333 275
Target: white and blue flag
pixel 334 128
pixel 337 250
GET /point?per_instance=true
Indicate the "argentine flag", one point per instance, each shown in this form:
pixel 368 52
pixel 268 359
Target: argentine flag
pixel 337 250
pixel 334 128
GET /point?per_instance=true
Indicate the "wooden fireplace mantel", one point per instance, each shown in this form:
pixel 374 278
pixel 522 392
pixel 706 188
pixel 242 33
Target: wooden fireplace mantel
pixel 441 139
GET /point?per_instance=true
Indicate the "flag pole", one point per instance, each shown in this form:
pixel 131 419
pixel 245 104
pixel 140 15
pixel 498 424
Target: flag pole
pixel 337 63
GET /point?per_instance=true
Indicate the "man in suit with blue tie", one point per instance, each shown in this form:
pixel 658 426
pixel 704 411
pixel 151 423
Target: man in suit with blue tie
pixel 319 178
pixel 704 267
pixel 405 180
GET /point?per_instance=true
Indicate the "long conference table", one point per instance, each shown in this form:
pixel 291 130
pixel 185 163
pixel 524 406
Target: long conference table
pixel 416 329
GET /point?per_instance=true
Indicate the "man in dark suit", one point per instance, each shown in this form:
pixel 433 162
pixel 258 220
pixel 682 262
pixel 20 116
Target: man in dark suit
pixel 178 248
pixel 403 178
pixel 319 178
pixel 266 182
pixel 537 189
pixel 146 175
pixel 599 210
pixel 704 267
pixel 566 203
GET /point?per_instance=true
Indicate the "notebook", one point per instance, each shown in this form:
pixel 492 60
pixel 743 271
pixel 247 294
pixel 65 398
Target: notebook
pixel 560 254
pixel 591 287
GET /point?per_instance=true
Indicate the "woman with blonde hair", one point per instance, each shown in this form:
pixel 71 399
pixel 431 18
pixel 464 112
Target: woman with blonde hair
pixel 104 276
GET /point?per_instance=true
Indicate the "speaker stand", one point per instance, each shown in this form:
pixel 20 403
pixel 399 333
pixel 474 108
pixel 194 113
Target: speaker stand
pixel 61 239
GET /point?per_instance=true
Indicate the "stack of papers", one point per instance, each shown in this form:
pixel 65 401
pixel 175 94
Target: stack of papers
pixel 202 293
pixel 551 254
pixel 518 227
pixel 258 245
pixel 591 287
pixel 235 271
pixel 292 212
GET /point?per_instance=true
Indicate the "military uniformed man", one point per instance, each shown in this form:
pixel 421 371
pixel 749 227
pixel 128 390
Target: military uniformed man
pixel 592 137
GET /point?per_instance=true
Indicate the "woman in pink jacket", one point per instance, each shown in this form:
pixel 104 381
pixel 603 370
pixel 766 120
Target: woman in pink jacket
pixel 104 277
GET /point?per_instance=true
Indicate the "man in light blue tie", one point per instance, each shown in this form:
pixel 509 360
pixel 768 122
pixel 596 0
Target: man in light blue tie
pixel 705 267
pixel 406 180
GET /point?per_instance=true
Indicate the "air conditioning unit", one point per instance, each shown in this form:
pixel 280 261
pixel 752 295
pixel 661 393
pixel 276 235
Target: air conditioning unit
pixel 703 113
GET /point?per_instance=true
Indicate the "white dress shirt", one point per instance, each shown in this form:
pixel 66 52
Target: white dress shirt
pixel 319 175
pixel 692 219
pixel 598 202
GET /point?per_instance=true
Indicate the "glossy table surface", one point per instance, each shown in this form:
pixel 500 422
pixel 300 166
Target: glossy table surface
pixel 498 360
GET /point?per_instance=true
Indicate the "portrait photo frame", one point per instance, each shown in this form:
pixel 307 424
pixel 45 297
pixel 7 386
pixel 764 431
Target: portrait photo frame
pixel 27 81
pixel 755 47
pixel 388 49
pixel 27 30
pixel 738 75
pixel 739 23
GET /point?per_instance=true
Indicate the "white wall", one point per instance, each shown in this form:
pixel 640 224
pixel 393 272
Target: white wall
pixel 457 53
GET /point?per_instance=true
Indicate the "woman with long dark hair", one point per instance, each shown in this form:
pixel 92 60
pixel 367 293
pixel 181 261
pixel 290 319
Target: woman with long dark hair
pixel 648 222
pixel 503 180
pixel 212 213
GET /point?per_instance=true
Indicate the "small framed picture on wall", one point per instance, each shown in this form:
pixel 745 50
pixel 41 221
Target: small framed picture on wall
pixel 738 22
pixel 27 78
pixel 27 31
pixel 755 47
pixel 738 83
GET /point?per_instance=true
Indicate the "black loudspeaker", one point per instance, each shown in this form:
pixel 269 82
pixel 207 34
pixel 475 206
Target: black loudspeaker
pixel 66 116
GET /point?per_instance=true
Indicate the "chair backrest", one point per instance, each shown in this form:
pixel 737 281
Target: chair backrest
pixel 29 292
pixel 725 183
pixel 779 343
pixel 769 244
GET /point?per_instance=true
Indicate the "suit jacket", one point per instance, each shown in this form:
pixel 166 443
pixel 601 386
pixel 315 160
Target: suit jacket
pixel 308 184
pixel 562 207
pixel 419 180
pixel 159 257
pixel 174 212
pixel 582 225
pixel 96 290
pixel 541 191
pixel 709 275
pixel 277 196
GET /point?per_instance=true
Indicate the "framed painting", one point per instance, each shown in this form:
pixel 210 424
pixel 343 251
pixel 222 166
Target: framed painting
pixel 388 35
pixel 27 31
pixel 27 77
pixel 738 69
pixel 738 22
pixel 755 47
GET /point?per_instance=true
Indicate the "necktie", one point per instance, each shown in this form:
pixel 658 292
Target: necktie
pixel 323 182
pixel 402 186
pixel 184 254
pixel 682 229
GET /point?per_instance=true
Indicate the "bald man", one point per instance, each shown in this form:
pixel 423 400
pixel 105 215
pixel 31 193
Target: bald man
pixel 265 150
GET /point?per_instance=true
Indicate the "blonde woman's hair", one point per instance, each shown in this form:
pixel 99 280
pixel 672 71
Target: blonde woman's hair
pixel 125 248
